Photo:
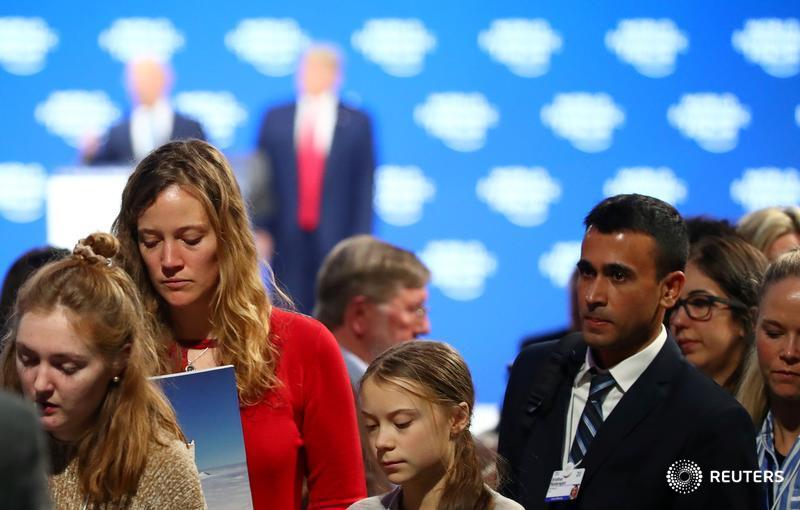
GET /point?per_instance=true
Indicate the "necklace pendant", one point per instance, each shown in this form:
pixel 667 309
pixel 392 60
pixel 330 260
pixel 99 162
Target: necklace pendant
pixel 188 368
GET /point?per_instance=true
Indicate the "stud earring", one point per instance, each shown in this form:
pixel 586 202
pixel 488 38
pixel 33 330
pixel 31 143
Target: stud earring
pixel 115 379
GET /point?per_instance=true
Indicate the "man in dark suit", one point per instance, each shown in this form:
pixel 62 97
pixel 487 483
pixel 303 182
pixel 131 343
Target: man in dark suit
pixel 617 400
pixel 23 472
pixel 151 123
pixel 321 156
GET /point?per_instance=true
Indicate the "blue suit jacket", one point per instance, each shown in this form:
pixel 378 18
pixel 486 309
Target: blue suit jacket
pixel 117 149
pixel 347 192
pixel 672 412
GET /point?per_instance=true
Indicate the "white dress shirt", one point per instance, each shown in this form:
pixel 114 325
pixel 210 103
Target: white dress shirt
pixel 325 106
pixel 151 126
pixel 625 373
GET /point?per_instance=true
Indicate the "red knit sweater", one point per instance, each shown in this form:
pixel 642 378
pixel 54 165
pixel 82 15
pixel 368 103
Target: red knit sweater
pixel 307 427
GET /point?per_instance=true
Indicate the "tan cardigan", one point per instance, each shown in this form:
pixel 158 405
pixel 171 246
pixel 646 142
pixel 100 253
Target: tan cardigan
pixel 170 481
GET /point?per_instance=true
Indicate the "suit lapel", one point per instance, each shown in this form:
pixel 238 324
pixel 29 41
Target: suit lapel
pixel 290 146
pixel 549 432
pixel 338 131
pixel 126 141
pixel 641 399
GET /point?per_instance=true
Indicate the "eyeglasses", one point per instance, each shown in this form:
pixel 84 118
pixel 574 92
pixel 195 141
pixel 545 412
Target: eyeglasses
pixel 699 307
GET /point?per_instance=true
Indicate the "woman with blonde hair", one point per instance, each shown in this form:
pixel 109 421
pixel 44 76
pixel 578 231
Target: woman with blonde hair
pixel 770 388
pixel 78 347
pixel 773 230
pixel 187 243
pixel 417 400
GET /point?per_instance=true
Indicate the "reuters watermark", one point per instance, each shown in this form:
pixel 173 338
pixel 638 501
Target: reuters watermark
pixel 685 476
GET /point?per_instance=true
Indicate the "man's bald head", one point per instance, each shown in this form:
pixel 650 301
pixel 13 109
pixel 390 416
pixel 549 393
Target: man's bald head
pixel 148 80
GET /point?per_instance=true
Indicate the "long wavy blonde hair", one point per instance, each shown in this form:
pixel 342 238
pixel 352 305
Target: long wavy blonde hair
pixel 102 303
pixel 753 394
pixel 240 307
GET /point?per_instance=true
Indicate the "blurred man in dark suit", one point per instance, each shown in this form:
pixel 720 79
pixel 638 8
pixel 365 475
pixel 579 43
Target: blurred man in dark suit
pixel 151 123
pixel 321 156
pixel 23 471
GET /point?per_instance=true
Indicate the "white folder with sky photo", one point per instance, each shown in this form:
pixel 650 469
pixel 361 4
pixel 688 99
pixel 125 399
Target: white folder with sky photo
pixel 207 406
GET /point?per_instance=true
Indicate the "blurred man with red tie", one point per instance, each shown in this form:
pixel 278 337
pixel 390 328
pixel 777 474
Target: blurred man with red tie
pixel 321 156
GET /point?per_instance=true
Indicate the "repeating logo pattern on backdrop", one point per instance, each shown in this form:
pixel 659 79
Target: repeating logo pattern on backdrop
pixel 766 186
pixel 459 268
pixel 25 43
pixel 76 114
pixel 558 263
pixel 651 46
pixel 459 119
pixel 504 119
pixel 22 191
pixel 523 195
pixel 128 38
pixel 771 43
pixel 271 45
pixel 398 46
pixel 401 193
pixel 219 113
pixel 587 120
pixel 661 183
pixel 711 120
pixel 525 46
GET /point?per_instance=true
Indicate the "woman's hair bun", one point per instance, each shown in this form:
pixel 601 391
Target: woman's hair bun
pixel 99 247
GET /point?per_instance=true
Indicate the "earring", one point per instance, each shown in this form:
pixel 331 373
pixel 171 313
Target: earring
pixel 115 379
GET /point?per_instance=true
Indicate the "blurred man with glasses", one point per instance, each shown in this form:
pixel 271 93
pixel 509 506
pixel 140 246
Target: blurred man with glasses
pixel 371 295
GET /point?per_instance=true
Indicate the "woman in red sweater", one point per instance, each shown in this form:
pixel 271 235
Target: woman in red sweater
pixel 187 243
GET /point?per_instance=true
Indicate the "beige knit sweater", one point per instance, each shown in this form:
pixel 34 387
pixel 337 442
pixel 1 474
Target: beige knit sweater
pixel 170 481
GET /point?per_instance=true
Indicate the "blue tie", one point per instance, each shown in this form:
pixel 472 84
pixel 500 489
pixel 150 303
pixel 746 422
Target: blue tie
pixel 592 416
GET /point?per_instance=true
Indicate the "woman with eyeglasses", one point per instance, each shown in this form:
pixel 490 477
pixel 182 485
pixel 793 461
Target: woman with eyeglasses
pixel 713 320
pixel 770 389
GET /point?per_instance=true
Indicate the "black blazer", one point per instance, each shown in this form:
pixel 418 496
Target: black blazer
pixel 672 412
pixel 117 148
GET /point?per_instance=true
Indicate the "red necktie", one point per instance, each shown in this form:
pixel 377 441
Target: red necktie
pixel 310 170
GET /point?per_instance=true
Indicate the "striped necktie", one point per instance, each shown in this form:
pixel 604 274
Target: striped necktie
pixel 592 416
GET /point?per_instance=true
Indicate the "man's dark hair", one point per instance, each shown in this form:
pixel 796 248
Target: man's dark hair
pixel 646 215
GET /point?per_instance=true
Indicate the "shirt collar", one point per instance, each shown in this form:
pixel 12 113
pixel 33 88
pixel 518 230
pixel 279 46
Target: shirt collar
pixel 627 371
pixel 160 107
pixel 392 499
pixel 326 98
pixel 358 362
pixel 765 435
